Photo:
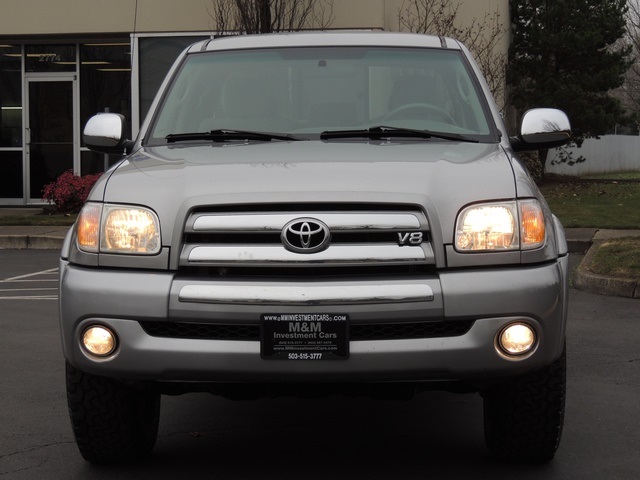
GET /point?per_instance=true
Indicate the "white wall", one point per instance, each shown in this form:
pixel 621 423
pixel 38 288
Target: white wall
pixel 611 153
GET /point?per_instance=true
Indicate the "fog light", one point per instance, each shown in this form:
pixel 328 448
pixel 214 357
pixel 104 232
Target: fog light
pixel 517 339
pixel 99 341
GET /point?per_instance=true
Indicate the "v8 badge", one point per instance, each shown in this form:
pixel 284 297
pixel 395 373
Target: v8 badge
pixel 409 238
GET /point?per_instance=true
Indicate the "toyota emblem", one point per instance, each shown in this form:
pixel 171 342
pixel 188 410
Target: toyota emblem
pixel 305 235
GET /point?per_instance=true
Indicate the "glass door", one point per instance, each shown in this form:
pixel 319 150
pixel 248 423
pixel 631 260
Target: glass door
pixel 50 134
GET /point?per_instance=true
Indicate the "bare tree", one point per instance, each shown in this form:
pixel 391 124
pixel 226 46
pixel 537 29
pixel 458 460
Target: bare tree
pixel 629 93
pixel 264 16
pixel 435 17
pixel 481 36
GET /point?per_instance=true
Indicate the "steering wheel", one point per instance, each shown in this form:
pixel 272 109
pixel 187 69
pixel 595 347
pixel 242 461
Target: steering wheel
pixel 410 110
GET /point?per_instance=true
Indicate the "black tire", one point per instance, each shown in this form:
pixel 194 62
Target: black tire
pixel 523 417
pixel 112 422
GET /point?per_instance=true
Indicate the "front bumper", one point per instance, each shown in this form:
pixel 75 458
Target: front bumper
pixel 492 298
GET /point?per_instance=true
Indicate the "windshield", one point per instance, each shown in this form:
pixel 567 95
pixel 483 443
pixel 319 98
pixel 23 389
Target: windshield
pixel 307 91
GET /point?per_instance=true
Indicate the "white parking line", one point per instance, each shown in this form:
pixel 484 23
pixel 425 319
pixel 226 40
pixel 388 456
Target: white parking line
pixel 31 298
pixel 25 292
pixel 31 281
pixel 28 275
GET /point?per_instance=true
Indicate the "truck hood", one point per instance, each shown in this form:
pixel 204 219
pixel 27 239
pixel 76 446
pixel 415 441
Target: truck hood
pixel 439 177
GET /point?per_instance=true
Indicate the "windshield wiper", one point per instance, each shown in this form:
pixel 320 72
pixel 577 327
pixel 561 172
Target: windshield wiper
pixel 382 131
pixel 227 135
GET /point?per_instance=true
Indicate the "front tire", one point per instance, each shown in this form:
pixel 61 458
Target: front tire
pixel 112 422
pixel 523 417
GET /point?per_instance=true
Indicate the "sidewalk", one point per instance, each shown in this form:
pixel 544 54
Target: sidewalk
pixel 580 240
pixel 34 238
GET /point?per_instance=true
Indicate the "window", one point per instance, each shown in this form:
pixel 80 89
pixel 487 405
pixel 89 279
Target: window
pixel 105 80
pixel 105 86
pixel 11 180
pixel 310 90
pixel 50 58
pixel 10 96
pixel 10 174
pixel 157 54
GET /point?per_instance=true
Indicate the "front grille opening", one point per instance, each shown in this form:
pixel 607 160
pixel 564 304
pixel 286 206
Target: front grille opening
pixel 273 238
pixel 357 332
pixel 396 331
pixel 205 331
pixel 295 272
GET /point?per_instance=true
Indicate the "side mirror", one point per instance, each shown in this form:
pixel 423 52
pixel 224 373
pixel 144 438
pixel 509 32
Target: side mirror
pixel 106 133
pixel 542 128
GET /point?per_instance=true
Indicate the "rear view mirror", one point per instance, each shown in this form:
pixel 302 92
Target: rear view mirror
pixel 106 133
pixel 542 128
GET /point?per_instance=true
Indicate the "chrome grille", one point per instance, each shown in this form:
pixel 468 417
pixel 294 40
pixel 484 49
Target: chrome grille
pixel 359 238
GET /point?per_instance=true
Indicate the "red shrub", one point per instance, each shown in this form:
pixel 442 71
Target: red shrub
pixel 69 192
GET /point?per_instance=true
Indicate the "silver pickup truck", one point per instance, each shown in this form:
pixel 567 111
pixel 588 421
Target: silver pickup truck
pixel 313 213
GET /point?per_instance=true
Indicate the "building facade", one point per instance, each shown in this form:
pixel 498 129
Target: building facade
pixel 61 62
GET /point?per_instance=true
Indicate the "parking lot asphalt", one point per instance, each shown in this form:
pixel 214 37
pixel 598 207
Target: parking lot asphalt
pixel 579 240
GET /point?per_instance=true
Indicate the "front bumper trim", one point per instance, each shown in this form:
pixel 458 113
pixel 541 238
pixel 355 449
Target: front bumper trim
pixel 304 296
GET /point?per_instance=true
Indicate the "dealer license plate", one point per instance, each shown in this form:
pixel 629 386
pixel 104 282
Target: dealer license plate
pixel 298 336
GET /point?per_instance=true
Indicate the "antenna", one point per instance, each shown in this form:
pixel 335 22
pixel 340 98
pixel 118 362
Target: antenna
pixel 135 89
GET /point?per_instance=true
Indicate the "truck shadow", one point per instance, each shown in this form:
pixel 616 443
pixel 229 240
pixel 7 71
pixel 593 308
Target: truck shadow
pixel 435 435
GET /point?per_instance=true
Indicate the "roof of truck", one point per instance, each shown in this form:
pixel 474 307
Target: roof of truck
pixel 327 38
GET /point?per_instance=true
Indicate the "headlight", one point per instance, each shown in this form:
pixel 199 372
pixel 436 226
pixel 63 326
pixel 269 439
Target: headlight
pixel 99 341
pixel 531 224
pixel 500 226
pixel 118 229
pixel 88 227
pixel 517 339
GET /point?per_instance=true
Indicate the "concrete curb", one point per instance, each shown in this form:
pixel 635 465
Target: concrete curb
pixel 579 240
pixel 30 242
pixel 32 237
pixel 585 279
